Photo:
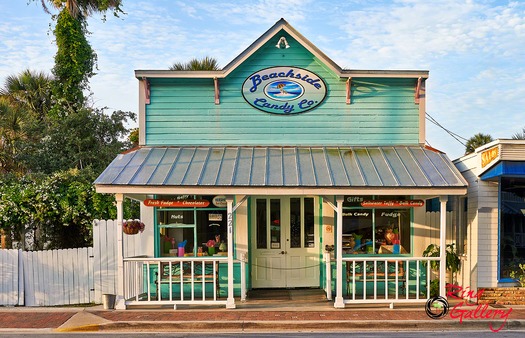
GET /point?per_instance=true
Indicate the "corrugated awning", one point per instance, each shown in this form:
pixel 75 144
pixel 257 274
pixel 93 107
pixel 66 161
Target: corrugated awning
pixel 329 168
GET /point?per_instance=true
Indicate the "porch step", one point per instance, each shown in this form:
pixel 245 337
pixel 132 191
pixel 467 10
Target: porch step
pixel 306 295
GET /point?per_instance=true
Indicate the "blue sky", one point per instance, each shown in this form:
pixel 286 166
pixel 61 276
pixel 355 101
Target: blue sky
pixel 474 49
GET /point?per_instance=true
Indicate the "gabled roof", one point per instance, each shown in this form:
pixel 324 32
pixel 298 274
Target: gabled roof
pixel 283 170
pixel 281 25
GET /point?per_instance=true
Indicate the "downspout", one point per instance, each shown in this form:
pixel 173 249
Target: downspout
pixel 442 244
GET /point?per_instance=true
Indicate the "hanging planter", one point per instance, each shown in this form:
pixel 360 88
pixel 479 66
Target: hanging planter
pixel 132 227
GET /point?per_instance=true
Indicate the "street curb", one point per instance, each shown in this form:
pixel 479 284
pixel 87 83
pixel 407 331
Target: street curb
pixel 299 326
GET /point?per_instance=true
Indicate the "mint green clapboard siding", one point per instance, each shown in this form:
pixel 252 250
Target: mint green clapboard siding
pixel 183 112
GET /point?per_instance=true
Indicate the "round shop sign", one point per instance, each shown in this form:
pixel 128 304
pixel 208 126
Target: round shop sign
pixel 220 201
pixel 284 90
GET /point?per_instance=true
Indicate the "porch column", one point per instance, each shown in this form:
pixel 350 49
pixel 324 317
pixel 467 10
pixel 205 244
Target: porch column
pixel 230 302
pixel 339 303
pixel 120 303
pixel 442 244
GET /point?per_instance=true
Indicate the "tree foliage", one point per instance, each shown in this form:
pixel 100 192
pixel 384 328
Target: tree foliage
pixel 74 64
pixel 55 211
pixel 84 8
pixel 206 63
pixel 519 135
pixel 75 60
pixel 477 141
pixel 53 145
pixel 24 103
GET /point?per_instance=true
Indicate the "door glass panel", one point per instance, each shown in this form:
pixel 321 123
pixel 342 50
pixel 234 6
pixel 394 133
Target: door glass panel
pixel 275 227
pixel 309 223
pixel 261 222
pixel 295 222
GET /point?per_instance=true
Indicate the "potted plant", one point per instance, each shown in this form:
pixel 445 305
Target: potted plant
pixel 452 265
pixel 211 247
pixel 132 227
pixel 519 276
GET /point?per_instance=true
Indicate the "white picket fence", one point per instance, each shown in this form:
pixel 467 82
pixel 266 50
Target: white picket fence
pixel 63 277
pixel 10 283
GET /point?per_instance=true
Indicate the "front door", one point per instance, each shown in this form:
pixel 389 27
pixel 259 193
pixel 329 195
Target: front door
pixel 285 242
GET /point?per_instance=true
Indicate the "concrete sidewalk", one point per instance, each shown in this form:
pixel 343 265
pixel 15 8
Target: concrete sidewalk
pixel 319 317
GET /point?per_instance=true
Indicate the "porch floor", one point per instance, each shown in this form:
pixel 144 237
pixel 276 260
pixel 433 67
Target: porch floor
pixel 302 299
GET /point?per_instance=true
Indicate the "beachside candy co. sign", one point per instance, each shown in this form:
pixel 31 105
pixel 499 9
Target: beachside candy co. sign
pixel 284 90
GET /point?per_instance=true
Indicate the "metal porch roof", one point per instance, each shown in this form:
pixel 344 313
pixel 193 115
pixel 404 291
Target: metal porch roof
pixel 319 167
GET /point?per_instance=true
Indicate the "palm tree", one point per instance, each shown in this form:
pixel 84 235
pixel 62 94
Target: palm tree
pixel 11 132
pixel 25 101
pixel 30 90
pixel 84 8
pixel 206 63
pixel 519 135
pixel 477 141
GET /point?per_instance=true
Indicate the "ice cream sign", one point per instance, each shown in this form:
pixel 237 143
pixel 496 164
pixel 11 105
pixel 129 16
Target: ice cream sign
pixel 284 90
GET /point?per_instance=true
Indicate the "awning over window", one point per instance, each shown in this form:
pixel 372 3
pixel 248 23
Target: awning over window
pixel 505 168
pixel 329 168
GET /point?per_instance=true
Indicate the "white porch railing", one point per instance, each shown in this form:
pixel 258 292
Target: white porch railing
pixel 172 281
pixel 384 279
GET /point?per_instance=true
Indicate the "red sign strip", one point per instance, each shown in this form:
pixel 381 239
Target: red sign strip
pixel 393 204
pixel 176 204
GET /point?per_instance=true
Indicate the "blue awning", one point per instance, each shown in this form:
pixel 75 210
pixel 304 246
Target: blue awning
pixel 505 168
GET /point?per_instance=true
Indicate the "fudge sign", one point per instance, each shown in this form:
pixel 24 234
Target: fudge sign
pixel 284 90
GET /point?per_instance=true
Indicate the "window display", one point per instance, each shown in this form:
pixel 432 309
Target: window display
pixel 380 230
pixel 191 231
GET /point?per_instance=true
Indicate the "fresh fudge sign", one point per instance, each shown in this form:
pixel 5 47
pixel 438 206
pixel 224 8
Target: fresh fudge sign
pixel 284 90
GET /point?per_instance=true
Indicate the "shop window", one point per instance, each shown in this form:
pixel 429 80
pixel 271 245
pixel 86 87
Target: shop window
pixel 375 230
pixel 512 225
pixel 191 227
pixel 434 205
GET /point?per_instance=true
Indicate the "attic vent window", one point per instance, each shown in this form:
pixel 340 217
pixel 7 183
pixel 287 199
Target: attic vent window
pixel 282 43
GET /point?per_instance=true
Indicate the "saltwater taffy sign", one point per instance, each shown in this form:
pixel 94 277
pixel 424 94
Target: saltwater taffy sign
pixel 284 90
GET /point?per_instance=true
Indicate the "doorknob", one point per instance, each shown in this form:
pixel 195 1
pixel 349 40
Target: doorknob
pixel 283 252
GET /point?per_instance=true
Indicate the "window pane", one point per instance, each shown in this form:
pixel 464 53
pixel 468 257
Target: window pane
pixel 512 239
pixel 175 217
pixel 295 222
pixel 171 237
pixel 275 226
pixel 357 227
pixel 393 227
pixel 261 223
pixel 309 223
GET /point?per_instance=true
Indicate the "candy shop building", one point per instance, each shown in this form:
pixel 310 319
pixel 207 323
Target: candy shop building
pixel 282 170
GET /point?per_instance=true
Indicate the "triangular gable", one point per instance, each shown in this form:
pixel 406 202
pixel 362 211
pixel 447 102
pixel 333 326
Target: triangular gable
pixel 273 33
